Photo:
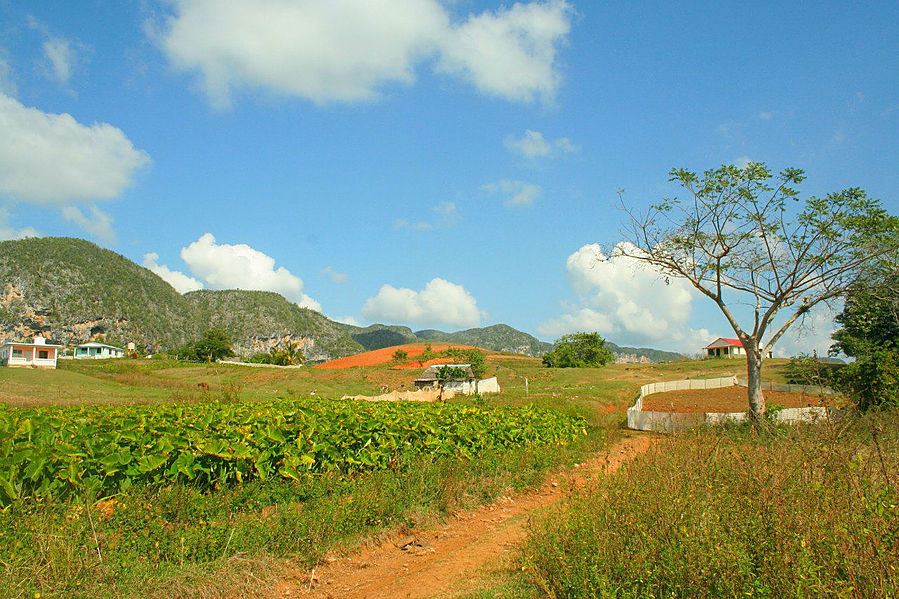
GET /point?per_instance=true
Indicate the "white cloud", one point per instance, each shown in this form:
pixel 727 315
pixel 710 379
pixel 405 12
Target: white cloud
pixel 98 223
pixel 61 57
pixel 348 320
pixel 180 281
pixel 51 158
pixel 519 193
pixel 7 232
pixel 447 216
pixel 348 50
pixel 626 301
pixel 337 277
pixel 439 302
pixel 742 161
pixel 510 53
pixel 224 266
pixel 766 115
pixel 533 145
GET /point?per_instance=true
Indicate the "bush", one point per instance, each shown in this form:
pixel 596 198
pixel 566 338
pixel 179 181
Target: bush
pixel 873 381
pixel 578 350
pixel 211 347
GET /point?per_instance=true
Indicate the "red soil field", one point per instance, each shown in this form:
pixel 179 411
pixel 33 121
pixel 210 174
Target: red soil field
pixel 726 399
pixel 385 355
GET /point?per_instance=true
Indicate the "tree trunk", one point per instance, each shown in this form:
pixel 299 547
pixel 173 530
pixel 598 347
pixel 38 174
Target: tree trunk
pixel 754 380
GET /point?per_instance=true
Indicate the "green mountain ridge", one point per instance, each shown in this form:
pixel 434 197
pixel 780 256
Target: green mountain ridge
pixel 73 291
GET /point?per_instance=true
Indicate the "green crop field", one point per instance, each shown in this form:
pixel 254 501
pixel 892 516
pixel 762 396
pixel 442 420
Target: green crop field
pixel 150 477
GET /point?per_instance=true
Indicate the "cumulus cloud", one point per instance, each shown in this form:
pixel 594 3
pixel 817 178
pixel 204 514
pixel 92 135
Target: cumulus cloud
pixel 628 302
pixel 349 50
pixel 8 232
pixel 440 302
pixel 742 161
pixel 348 320
pixel 510 53
pixel 337 277
pixel 87 163
pixel 533 145
pixel 518 193
pixel 96 223
pixel 180 281
pixel 224 266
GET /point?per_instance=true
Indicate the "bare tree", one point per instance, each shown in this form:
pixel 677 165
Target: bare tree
pixel 742 237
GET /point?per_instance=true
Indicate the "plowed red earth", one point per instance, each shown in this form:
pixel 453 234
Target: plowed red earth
pixel 726 399
pixel 385 355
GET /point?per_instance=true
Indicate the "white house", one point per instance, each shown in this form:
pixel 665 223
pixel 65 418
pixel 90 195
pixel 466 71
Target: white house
pixel 466 384
pixel 96 351
pixel 37 353
pixel 728 348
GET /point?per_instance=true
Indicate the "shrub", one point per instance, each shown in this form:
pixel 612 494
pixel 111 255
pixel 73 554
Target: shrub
pixel 873 381
pixel 578 350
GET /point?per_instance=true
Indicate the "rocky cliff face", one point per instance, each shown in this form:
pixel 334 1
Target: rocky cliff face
pixel 72 291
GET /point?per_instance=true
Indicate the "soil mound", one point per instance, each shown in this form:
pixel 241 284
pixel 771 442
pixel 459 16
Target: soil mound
pixel 385 356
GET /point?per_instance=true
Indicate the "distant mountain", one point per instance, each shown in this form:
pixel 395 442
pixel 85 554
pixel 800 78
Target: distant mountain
pixel 378 336
pixel 74 291
pixel 499 337
pixel 259 320
pixel 643 354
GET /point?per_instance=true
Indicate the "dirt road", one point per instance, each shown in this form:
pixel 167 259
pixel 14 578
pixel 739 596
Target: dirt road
pixel 439 562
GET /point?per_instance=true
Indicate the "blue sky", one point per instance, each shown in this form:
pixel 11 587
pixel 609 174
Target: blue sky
pixel 437 164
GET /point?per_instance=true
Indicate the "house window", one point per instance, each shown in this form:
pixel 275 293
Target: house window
pixel 43 354
pixel 17 353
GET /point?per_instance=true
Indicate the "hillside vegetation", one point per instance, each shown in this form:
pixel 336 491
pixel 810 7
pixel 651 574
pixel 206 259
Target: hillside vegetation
pixel 259 320
pixel 74 291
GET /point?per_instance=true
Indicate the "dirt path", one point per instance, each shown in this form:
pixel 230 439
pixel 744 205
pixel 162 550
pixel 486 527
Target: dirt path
pixel 434 562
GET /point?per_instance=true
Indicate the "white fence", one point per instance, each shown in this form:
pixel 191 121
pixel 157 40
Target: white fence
pixel 666 422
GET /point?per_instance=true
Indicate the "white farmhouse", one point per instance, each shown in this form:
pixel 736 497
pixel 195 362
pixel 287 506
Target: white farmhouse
pixel 729 348
pixel 96 351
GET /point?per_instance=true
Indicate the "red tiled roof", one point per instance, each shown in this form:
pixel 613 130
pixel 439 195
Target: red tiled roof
pixel 727 342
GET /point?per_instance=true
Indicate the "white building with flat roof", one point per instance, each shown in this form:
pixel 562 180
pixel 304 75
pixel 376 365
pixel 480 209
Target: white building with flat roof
pixel 97 351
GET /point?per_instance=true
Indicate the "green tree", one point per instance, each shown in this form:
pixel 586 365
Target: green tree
pixel 427 354
pixel 578 350
pixel 741 237
pixel 870 334
pixel 870 316
pixel 400 355
pixel 212 346
pixel 450 373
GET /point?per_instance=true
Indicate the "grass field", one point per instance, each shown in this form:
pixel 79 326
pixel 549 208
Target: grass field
pixel 180 540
